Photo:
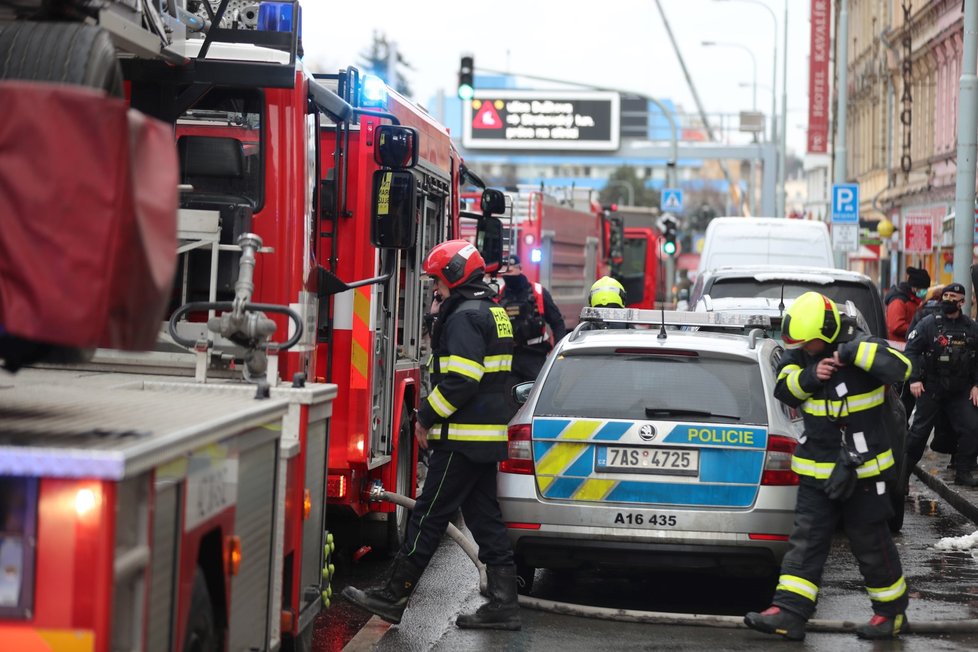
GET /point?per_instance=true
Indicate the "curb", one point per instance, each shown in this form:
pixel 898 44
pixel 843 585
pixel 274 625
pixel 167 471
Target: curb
pixel 955 498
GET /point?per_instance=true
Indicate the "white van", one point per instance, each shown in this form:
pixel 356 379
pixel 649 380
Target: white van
pixel 766 241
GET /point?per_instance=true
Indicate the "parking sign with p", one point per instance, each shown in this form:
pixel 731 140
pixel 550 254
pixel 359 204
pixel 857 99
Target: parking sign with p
pixel 845 203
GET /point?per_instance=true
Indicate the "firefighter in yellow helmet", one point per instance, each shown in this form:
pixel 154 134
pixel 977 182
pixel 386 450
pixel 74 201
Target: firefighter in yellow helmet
pixel 837 377
pixel 606 292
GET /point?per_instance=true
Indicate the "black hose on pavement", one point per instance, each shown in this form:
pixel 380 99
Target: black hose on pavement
pixel 665 618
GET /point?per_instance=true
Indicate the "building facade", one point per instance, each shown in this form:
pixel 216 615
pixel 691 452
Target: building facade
pixel 904 65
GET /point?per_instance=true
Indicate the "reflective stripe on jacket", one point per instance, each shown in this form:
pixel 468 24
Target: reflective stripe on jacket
pixel 467 409
pixel 851 401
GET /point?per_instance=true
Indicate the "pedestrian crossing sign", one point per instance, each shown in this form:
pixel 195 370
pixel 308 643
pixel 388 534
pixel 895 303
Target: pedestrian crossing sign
pixel 671 200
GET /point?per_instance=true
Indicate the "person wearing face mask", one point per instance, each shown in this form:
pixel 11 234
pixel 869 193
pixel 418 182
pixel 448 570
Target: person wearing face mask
pixel 532 310
pixel 902 302
pixel 944 380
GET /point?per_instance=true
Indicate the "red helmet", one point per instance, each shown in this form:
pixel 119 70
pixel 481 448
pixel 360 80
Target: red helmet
pixel 454 262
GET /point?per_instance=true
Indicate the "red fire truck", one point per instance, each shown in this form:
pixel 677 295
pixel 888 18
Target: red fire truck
pixel 565 242
pixel 370 339
pixel 198 518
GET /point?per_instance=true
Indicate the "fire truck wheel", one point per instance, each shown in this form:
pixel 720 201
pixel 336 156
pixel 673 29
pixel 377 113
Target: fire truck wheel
pixel 201 633
pixel 72 53
pixel 398 519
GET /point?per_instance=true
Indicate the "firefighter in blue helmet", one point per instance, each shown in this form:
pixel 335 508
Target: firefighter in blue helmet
pixel 837 376
pixel 463 423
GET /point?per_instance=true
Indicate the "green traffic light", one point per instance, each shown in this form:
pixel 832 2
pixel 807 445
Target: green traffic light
pixel 465 92
pixel 669 248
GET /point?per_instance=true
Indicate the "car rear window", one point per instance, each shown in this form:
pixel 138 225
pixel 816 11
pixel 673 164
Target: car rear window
pixel 667 387
pixel 840 291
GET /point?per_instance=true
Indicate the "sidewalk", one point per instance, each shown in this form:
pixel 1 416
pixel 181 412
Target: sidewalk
pixel 932 471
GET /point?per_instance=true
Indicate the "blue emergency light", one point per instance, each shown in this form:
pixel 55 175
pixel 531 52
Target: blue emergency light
pixel 277 17
pixel 536 255
pixel 374 91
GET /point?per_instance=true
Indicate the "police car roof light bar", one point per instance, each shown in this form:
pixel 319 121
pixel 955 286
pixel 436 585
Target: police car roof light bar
pixel 675 318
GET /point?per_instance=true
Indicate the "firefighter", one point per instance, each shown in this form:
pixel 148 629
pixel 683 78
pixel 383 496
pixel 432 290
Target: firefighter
pixel 462 423
pixel 531 309
pixel 606 292
pixel 836 376
pixel 945 380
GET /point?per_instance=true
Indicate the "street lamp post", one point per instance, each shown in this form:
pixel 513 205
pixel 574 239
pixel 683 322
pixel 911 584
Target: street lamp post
pixel 753 60
pixel 779 205
pixel 750 184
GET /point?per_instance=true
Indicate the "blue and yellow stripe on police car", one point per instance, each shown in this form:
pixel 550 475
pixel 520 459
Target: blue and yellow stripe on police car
pixel 731 463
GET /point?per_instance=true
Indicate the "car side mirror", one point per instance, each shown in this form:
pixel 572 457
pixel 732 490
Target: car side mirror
pixel 522 391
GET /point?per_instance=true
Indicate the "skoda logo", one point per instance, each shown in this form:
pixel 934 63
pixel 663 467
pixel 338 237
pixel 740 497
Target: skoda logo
pixel 647 432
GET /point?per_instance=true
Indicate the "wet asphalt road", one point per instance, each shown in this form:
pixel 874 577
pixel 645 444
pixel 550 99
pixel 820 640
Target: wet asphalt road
pixel 943 585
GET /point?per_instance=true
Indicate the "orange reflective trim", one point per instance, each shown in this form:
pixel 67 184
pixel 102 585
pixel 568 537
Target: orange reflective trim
pixel 29 639
pixel 360 345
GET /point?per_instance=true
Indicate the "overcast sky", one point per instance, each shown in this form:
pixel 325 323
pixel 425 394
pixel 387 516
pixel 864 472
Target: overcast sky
pixel 614 43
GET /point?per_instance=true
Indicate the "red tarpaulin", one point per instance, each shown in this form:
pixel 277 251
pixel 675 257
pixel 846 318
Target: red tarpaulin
pixel 88 204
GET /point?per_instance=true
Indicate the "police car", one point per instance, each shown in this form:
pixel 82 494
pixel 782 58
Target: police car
pixel 650 447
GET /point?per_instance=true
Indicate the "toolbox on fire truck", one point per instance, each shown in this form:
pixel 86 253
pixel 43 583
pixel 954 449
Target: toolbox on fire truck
pixel 141 513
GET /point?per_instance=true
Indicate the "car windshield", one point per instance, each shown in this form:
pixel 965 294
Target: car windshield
pixel 839 291
pixel 675 388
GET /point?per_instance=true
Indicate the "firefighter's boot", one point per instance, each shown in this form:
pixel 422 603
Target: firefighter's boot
pixel 776 620
pixel 389 600
pixel 881 627
pixel 503 609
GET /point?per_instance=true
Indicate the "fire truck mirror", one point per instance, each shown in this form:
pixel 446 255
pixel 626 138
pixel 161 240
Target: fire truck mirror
pixel 489 242
pixel 396 147
pixel 395 209
pixel 493 202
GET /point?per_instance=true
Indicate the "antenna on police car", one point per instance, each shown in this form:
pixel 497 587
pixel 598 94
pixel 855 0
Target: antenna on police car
pixel 662 327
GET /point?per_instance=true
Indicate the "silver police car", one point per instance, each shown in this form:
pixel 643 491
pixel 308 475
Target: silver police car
pixel 641 446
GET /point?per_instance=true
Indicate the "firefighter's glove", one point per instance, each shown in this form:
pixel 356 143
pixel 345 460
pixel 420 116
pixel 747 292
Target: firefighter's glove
pixel 842 481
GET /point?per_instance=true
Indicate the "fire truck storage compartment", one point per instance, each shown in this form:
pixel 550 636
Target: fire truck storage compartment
pixel 215 167
pixel 197 463
pixel 310 404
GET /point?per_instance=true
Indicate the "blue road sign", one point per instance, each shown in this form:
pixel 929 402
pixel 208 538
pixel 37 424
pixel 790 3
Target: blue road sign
pixel 845 203
pixel 671 200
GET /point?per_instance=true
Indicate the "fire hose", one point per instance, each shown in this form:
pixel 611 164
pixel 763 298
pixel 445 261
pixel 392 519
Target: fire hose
pixel 660 617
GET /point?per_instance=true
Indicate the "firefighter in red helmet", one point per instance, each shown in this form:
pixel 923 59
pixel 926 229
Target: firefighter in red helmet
pixel 462 422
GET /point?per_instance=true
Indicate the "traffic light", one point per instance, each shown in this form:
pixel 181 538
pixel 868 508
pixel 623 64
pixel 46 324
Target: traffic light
pixel 466 78
pixel 668 225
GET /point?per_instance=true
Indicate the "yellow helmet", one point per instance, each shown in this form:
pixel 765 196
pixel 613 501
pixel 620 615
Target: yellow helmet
pixel 606 291
pixel 812 316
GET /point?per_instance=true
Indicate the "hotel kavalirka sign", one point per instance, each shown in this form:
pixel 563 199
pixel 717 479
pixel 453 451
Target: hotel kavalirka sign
pixel 555 120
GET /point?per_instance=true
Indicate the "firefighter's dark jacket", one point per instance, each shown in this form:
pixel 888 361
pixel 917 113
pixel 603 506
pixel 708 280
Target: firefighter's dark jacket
pixel 472 354
pixel 959 370
pixel 870 365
